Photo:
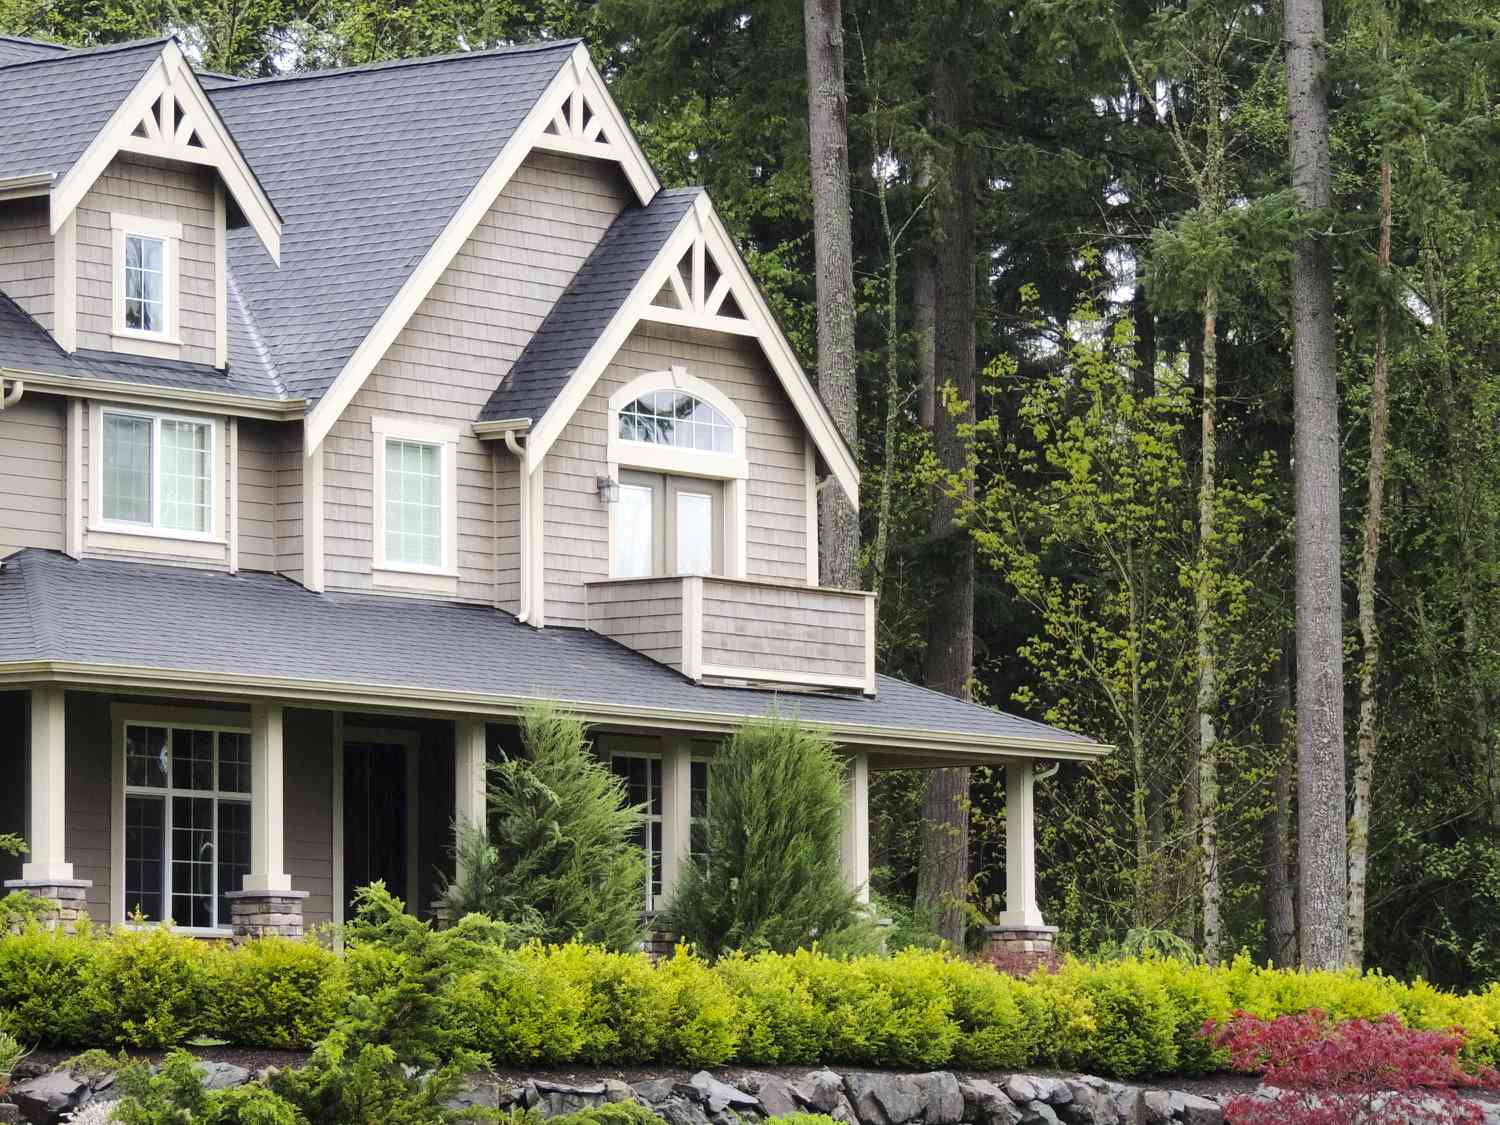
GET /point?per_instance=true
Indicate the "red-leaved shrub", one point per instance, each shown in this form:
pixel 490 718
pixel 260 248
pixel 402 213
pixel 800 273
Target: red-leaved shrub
pixel 1318 1072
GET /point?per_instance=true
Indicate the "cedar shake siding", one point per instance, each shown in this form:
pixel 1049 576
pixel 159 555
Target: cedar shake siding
pixel 33 469
pixel 26 257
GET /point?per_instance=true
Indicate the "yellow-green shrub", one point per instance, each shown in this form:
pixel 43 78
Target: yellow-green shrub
pixel 627 1011
pixel 1000 1019
pixel 147 988
pixel 42 974
pixel 1196 993
pixel 1134 1030
pixel 703 1024
pixel 274 992
pixel 885 1011
pixel 781 1021
pixel 519 1011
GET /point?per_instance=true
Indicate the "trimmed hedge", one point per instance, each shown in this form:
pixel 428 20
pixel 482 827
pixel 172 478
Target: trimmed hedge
pixel 552 1005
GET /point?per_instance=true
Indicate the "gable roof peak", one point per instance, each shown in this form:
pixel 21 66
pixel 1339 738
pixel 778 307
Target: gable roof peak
pixel 62 54
pixel 397 64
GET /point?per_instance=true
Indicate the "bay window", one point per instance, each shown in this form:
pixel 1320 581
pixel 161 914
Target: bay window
pixel 187 822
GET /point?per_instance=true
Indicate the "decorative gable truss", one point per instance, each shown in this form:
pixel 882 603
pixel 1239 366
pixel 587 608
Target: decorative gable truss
pixel 699 280
pixel 583 120
pixel 168 115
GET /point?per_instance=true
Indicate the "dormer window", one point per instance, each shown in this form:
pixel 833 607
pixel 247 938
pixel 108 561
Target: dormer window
pixel 145 283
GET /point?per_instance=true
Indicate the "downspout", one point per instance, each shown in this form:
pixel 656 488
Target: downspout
pixel 523 486
pixel 12 396
pixel 1044 774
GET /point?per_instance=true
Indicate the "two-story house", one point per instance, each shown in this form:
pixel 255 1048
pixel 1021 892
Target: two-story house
pixel 344 414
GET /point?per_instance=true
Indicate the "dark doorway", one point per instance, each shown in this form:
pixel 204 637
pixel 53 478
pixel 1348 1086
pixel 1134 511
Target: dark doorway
pixel 375 818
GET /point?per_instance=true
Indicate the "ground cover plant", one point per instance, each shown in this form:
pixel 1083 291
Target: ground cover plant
pixel 481 991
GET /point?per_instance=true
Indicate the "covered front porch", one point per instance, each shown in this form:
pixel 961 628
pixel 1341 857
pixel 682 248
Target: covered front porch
pixel 230 815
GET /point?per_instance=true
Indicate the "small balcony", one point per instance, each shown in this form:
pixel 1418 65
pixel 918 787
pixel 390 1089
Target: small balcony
pixel 741 632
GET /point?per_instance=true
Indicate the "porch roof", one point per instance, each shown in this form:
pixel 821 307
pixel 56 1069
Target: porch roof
pixel 111 624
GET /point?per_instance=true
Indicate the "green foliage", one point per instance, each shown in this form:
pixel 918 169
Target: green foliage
pixel 611 1113
pixel 176 1094
pixel 560 858
pixel 1142 941
pixel 42 978
pixel 281 993
pixel 772 879
pixel 1134 1031
pixel 147 988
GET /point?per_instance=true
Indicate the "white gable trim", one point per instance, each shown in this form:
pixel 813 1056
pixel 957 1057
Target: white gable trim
pixel 187 116
pixel 589 123
pixel 701 233
pixel 576 76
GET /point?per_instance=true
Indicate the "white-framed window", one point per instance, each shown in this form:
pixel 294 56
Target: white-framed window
pixel 674 422
pixel 146 284
pixel 641 774
pixel 186 821
pixel 415 529
pixel 155 473
pixel 676 418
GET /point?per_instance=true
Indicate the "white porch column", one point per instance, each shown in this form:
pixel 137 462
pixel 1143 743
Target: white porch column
pixel 469 780
pixel 856 842
pixel 676 810
pixel 1021 910
pixel 48 795
pixel 267 802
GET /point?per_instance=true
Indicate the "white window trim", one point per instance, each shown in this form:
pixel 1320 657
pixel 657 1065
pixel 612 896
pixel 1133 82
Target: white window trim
pixel 167 342
pixel 441 579
pixel 670 459
pixel 138 536
pixel 122 715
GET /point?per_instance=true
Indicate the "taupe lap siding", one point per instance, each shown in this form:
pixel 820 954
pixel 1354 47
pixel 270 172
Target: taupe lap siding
pixel 26 257
pixel 32 474
pixel 778 629
pixel 180 194
pixel 454 352
pixel 645 616
pixel 577 524
pixel 308 809
pixel 288 465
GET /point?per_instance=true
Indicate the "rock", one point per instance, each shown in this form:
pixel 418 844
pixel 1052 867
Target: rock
pixel 617 1091
pixel 222 1075
pixel 1053 1091
pixel 557 1098
pixel 479 1091
pixel 510 1096
pixel 1129 1104
pixel 986 1104
pixel 653 1091
pixel 821 1091
pixel 1158 1107
pixel 718 1096
pixel 889 1099
pixel 1038 1113
pixel 678 1110
pixel 9 1112
pixel 44 1099
pixel 1089 1105
pixel 1022 1088
pixel 776 1095
pixel 1190 1109
pixel 940 1092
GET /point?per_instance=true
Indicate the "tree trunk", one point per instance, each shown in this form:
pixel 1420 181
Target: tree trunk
pixel 924 311
pixel 1280 902
pixel 1145 333
pixel 1369 629
pixel 1208 669
pixel 942 881
pixel 1323 868
pixel 828 133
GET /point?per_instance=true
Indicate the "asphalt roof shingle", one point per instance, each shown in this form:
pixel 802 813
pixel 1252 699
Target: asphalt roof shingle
pixel 366 167
pixel 14 49
pixel 55 103
pixel 586 308
pixel 96 611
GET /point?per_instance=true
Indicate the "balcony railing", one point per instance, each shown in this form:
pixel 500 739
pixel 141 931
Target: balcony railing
pixel 743 632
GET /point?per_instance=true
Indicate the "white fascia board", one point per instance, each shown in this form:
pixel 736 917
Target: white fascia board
pixel 170 72
pixel 23 187
pixel 147 394
pixel 527 137
pixel 761 324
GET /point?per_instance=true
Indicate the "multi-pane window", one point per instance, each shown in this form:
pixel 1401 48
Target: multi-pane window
pixel 187 822
pixel 157 471
pixel 680 420
pixel 698 828
pixel 643 786
pixel 413 503
pixel 145 283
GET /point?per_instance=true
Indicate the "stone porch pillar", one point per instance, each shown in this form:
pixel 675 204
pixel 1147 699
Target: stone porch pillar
pixel 856 841
pixel 266 904
pixel 1020 931
pixel 47 874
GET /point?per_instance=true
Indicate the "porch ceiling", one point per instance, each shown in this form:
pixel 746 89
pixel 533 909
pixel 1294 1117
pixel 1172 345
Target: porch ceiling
pixel 98 623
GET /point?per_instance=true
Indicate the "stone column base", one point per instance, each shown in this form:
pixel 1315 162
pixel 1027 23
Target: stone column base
pixel 62 900
pixel 659 944
pixel 266 913
pixel 1020 949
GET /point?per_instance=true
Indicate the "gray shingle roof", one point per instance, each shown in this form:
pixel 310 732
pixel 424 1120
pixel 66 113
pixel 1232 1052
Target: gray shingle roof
pixel 366 167
pixel 26 346
pixel 138 615
pixel 590 302
pixel 54 104
pixel 15 49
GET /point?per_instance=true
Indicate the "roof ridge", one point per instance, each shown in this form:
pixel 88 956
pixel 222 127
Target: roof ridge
pixel 397 64
pixel 70 53
pixel 34 42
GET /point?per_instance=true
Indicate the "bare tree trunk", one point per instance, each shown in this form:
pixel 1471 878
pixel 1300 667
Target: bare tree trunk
pixel 924 311
pixel 828 133
pixel 942 882
pixel 1369 629
pixel 1208 669
pixel 1280 901
pixel 1323 867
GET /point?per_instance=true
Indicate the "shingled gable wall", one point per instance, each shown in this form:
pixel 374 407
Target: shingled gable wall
pixel 452 355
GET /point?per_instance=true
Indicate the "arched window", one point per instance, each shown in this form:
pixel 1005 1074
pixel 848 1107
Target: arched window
pixel 677 419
